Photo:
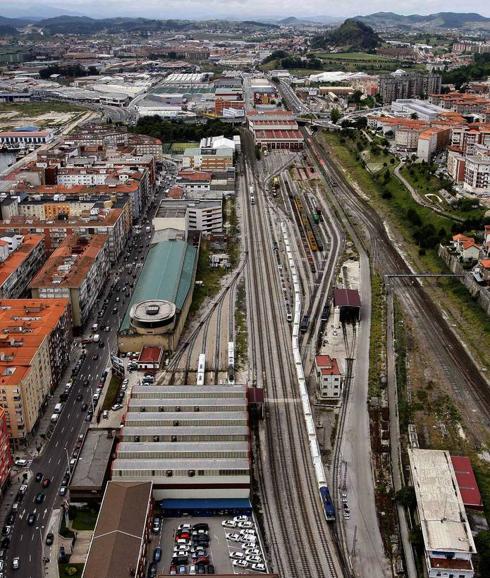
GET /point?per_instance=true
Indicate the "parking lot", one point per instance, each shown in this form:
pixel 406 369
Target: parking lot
pixel 219 550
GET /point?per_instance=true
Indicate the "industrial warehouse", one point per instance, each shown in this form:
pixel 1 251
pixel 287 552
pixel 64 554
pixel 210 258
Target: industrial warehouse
pixel 192 442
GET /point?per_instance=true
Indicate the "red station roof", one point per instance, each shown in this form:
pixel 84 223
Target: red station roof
pixel 346 298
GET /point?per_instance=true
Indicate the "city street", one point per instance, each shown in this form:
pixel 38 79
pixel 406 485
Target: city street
pixel 28 541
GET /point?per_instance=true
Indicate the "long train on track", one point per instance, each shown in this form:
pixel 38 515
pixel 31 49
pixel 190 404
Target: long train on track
pixel 321 479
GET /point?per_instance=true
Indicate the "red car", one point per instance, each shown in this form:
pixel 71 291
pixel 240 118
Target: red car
pixel 182 536
pixel 46 482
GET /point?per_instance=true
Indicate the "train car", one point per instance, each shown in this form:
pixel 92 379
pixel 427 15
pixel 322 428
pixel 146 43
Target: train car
pixel 201 368
pixel 231 362
pixel 327 503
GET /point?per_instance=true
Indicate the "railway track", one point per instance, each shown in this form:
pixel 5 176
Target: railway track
pixel 301 543
pixel 457 365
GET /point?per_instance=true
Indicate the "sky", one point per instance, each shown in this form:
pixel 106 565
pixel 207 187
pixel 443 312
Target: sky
pixel 234 8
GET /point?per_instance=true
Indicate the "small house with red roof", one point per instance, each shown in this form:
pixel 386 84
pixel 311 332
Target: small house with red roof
pixel 329 378
pixel 465 248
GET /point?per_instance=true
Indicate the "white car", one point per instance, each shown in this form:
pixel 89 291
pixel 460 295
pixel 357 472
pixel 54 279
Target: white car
pixel 247 532
pixel 251 551
pixel 254 559
pixel 258 567
pixel 240 563
pixel 240 519
pixel 228 524
pixel 237 555
pixel 250 540
pixel 21 462
pixel 233 537
pixel 245 524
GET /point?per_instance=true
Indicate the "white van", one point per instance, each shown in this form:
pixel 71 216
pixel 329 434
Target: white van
pixel 58 407
pixel 54 417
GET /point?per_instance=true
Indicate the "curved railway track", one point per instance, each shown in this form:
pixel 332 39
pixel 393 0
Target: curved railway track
pixel 458 366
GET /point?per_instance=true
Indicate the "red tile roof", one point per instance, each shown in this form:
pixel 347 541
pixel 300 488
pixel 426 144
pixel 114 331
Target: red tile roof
pixel 150 354
pixel 327 365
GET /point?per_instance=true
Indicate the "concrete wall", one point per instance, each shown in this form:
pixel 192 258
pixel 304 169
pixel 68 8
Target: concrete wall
pixel 480 293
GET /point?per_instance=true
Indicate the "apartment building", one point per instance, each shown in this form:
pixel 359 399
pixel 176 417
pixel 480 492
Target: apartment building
pixel 35 343
pixel 477 172
pixel 463 103
pixel 190 215
pixel 468 136
pixel 194 182
pixel 6 460
pixel 146 145
pixel 114 222
pixel 20 259
pixel 448 541
pixel 77 270
pixel 406 85
pixel 329 378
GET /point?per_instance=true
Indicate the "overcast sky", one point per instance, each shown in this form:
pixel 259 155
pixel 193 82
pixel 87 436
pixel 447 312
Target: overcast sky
pixel 237 8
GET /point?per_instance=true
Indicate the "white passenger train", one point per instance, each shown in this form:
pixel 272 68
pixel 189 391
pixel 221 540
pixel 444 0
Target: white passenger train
pixel 321 478
pixel 201 368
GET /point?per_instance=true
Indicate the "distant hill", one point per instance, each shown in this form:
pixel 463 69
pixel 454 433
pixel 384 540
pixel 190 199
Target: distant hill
pixel 85 25
pixel 441 20
pixel 352 35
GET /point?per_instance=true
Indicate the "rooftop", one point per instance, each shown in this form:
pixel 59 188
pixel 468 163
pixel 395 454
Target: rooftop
pixel 17 257
pixel 70 263
pixel 116 544
pixel 441 511
pixel 468 487
pixel 327 365
pixel 93 460
pixel 166 275
pixel 24 325
pixel 346 297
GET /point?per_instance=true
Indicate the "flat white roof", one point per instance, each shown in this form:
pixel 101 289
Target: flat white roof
pixel 441 510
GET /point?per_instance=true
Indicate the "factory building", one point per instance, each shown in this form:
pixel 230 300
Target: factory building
pixel 191 441
pixel 448 541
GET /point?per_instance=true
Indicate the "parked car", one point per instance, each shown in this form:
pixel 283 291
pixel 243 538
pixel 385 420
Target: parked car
pixel 157 554
pixel 49 538
pixel 157 525
pixel 240 563
pixel 21 462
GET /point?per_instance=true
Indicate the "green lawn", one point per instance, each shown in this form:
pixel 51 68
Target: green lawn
pixel 64 570
pixel 210 276
pixel 179 147
pixel 470 318
pixel 112 390
pixel 38 108
pixel 85 519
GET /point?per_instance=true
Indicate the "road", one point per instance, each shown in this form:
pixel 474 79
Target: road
pixel 27 541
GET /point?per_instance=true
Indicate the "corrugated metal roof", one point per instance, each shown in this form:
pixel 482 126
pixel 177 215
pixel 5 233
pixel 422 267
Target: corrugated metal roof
pixel 210 430
pixel 166 275
pixel 468 486
pixel 194 446
pixel 204 504
pixel 188 464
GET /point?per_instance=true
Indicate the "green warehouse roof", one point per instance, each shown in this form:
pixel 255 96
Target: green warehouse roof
pixel 167 274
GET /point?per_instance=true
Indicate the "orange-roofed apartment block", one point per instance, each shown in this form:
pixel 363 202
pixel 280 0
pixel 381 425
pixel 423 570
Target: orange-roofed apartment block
pixel 35 341
pixel 20 259
pixel 77 271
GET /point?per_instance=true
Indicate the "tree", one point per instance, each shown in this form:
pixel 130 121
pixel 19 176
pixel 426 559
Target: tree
pixel 482 541
pixel 335 115
pixel 406 497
